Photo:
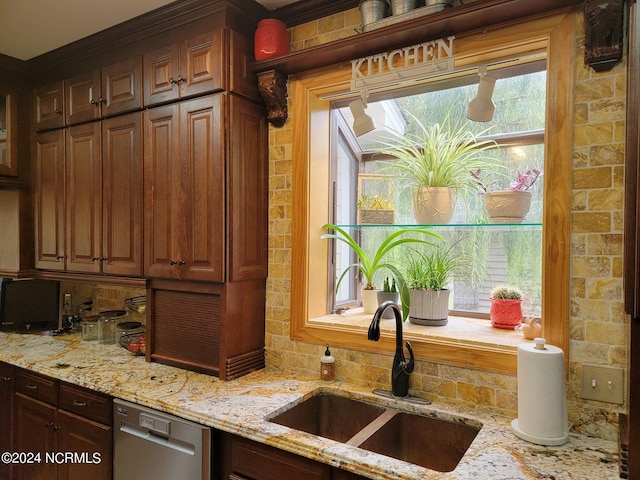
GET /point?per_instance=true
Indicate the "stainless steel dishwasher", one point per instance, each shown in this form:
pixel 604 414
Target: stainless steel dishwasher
pixel 151 445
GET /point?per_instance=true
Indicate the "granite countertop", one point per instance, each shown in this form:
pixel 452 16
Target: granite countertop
pixel 243 406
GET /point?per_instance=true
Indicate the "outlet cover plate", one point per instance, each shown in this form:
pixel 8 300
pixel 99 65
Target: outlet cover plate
pixel 605 384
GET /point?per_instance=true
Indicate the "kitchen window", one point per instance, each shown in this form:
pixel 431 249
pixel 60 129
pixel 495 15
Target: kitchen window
pixel 549 39
pixel 502 255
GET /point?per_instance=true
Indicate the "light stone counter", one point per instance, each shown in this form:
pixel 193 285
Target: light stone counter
pixel 242 406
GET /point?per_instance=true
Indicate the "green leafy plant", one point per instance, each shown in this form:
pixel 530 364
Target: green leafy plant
pixel 505 292
pixel 370 264
pixel 440 155
pixel 433 269
pixel 373 202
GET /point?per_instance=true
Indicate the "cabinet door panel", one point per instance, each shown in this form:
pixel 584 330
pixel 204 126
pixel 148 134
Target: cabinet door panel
pixel 161 194
pixel 48 106
pixel 83 97
pixel 122 87
pixel 248 191
pixel 201 64
pixel 202 156
pixel 84 198
pixel 34 432
pixel 49 200
pixel 161 70
pixel 6 415
pixel 83 436
pixel 122 195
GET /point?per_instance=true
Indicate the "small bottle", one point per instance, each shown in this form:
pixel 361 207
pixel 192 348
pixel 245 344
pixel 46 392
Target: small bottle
pixel 327 366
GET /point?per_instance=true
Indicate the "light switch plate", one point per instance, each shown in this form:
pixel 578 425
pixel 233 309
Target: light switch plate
pixel 605 384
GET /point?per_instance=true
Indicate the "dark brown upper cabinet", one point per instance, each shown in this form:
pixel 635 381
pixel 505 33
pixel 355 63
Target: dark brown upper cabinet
pixel 191 67
pixel 8 135
pixel 103 92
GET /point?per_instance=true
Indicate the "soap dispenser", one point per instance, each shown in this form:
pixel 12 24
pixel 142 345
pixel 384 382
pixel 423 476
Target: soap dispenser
pixel 327 366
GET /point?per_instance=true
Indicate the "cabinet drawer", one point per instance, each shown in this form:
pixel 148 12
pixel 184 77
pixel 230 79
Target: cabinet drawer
pixel 262 462
pixel 85 403
pixel 37 386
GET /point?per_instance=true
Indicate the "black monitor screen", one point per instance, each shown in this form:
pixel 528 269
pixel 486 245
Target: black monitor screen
pixel 30 304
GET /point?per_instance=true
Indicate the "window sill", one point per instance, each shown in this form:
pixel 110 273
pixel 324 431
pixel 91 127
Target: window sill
pixel 461 330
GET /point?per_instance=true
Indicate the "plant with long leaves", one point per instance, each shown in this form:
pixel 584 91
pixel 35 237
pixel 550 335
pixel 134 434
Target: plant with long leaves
pixel 368 265
pixel 439 155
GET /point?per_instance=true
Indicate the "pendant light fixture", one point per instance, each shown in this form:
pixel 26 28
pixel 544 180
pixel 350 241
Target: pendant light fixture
pixel 482 107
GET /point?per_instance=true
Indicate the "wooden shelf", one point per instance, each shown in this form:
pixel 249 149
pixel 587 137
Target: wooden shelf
pixel 469 18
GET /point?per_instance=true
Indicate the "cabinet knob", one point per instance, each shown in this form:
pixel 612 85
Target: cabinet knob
pixel 181 262
pixel 95 259
pixel 173 81
pixel 97 102
pixel 181 79
pixel 49 425
pixel 6 379
pixel 57 111
pixel 59 257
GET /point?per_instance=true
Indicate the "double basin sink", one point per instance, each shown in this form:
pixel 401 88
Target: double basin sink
pixel 422 440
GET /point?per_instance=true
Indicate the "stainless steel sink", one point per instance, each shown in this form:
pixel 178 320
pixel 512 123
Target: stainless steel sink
pixel 430 442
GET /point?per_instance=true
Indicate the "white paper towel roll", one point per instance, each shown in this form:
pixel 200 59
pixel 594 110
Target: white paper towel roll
pixel 542 399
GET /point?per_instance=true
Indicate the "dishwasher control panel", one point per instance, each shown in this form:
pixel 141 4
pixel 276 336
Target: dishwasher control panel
pixel 155 424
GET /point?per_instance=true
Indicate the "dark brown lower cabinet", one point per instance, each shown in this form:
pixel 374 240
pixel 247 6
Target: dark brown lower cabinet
pixel 242 459
pixel 6 415
pixel 65 431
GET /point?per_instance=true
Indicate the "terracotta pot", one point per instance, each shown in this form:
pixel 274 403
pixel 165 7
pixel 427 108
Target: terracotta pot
pixel 271 39
pixel 506 314
pixel 507 206
pixel 429 307
pixel 434 205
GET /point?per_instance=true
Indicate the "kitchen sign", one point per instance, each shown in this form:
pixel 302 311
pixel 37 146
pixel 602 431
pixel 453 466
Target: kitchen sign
pixel 403 64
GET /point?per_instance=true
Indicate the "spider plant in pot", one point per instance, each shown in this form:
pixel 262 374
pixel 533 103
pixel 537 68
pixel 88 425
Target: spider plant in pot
pixel 434 163
pixel 506 307
pixel 369 264
pixel 427 275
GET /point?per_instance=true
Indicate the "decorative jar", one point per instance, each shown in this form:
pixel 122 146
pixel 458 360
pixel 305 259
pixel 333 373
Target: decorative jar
pixel 271 39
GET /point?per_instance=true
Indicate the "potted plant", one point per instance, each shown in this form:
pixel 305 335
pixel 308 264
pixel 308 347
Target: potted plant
pixel 368 265
pixel 427 275
pixel 507 205
pixel 506 307
pixel 434 163
pixel 375 209
pixel 388 293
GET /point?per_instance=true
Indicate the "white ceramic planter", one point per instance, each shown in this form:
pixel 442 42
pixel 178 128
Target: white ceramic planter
pixel 369 301
pixel 429 307
pixel 507 206
pixel 434 205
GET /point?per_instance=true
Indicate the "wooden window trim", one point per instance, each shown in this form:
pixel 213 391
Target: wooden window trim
pixel 311 110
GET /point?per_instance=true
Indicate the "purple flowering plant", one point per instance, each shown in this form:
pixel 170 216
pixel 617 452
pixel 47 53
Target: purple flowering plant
pixel 523 181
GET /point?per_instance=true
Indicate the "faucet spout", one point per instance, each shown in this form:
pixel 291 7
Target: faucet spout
pixel 401 368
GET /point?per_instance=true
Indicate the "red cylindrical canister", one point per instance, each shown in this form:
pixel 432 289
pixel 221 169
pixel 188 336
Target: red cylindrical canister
pixel 271 39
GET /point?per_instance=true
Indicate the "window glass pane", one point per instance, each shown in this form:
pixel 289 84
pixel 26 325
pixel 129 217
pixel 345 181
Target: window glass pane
pixel 502 255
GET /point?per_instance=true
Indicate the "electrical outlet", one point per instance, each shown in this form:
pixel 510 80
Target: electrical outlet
pixel 605 384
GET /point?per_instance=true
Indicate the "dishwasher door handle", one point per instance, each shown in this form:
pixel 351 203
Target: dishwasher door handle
pixel 157 439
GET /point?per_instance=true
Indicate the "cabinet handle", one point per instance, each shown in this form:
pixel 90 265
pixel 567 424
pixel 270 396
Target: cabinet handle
pixel 181 79
pixel 59 257
pixel 6 379
pixel 98 101
pixel 78 403
pixel 103 259
pixel 57 111
pixel 49 425
pixel 173 81
pixel 181 262
pixel 31 386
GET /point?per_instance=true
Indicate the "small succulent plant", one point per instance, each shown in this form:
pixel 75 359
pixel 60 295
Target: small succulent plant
pixel 504 292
